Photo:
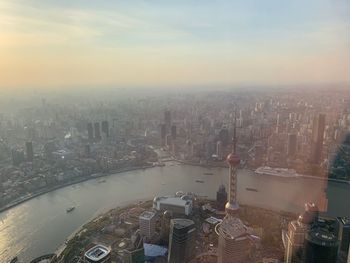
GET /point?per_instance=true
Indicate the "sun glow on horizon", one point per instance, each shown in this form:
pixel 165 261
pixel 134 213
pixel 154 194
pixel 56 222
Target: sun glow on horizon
pixel 47 44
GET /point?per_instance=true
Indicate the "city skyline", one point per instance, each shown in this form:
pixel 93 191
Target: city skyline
pixel 154 43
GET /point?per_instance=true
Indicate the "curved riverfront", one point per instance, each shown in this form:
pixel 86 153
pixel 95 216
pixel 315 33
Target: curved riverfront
pixel 40 225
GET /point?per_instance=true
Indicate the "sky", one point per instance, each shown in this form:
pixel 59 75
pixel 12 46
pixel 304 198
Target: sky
pixel 67 43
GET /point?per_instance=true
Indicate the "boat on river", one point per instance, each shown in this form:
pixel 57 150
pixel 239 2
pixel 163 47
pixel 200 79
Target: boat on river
pixel 277 172
pixel 251 189
pixel 70 209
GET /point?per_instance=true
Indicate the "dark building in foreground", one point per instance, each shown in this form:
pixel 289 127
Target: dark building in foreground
pixel 321 246
pixel 221 198
pixel 181 240
pixel 344 240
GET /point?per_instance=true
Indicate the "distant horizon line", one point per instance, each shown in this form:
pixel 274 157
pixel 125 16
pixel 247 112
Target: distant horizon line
pixel 165 87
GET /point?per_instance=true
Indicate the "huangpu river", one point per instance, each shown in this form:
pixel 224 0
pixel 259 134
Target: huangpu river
pixel 40 225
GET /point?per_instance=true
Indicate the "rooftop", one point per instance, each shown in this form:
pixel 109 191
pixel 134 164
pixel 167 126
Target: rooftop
pixel 233 227
pixel 147 215
pixel 178 201
pixel 182 223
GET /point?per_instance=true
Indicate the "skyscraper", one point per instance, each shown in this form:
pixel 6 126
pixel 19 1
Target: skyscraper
pixel 105 128
pixel 297 230
pixel 321 246
pixel 147 221
pixel 173 132
pixel 90 130
pixel 29 151
pixel 317 138
pixel 167 119
pixel 17 157
pixel 292 145
pixel 97 131
pixel 221 198
pixel 224 136
pixel 181 240
pixel 219 150
pixel 162 133
pixel 344 239
pixel 234 241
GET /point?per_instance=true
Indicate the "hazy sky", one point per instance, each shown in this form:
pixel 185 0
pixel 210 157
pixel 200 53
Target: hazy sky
pixel 51 43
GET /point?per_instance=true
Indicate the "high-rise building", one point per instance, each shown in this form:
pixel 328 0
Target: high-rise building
pixel 147 221
pixel 221 198
pixel 105 128
pixel 162 133
pixel 29 151
pixel 297 231
pixel 168 140
pixel 295 242
pixel 97 131
pixel 219 150
pixel 49 148
pixel 87 150
pixel 165 226
pixel 177 205
pixel 234 241
pixel 292 145
pixel 17 157
pixel 344 239
pixel 167 119
pixel 134 256
pixel 90 130
pixel 321 246
pixel 182 240
pixel 173 132
pixel 224 136
pixel 318 128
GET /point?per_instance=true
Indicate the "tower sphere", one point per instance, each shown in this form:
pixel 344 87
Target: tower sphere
pixel 233 159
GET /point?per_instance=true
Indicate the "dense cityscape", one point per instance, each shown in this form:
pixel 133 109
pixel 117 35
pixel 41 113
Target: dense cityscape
pixel 283 134
pixel 183 131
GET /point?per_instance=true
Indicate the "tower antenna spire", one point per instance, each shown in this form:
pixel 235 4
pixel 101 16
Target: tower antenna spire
pixel 233 161
pixel 234 138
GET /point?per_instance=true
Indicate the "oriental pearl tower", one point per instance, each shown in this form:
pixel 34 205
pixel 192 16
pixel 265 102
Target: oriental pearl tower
pixel 233 162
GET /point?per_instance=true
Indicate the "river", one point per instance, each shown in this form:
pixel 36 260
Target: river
pixel 41 225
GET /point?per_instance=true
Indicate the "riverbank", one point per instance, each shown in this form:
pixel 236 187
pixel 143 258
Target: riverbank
pixel 272 222
pixel 35 219
pixel 80 180
pixel 211 165
pixel 223 165
pixel 81 230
